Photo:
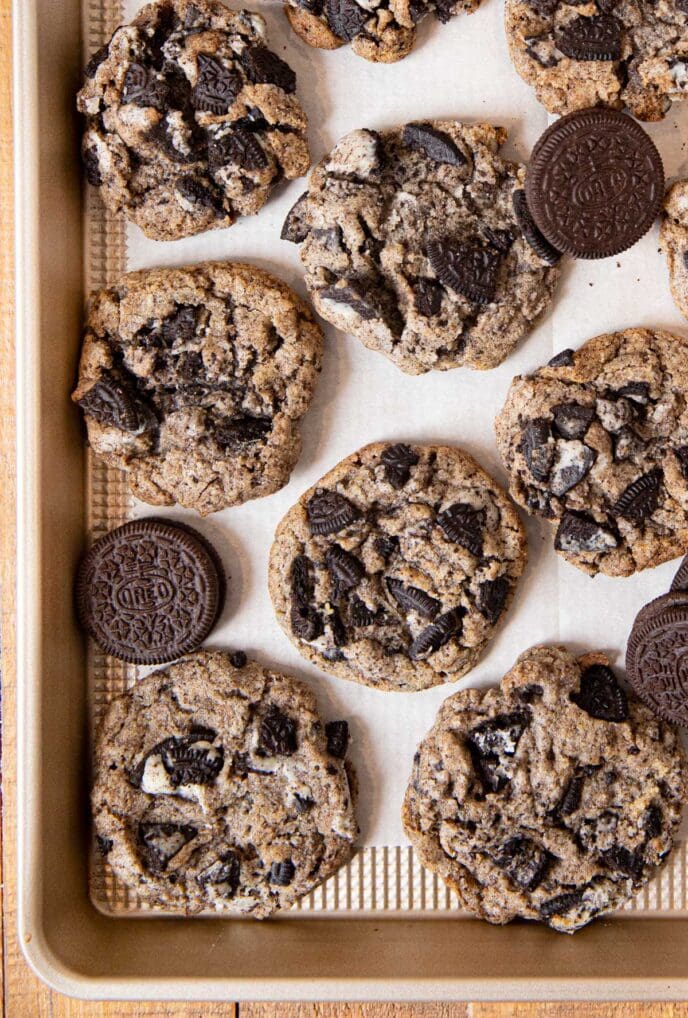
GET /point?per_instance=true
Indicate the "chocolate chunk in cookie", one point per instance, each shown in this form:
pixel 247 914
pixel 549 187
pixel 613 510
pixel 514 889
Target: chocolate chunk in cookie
pixel 540 245
pixel 466 267
pixel 437 145
pixel 596 38
pixel 398 461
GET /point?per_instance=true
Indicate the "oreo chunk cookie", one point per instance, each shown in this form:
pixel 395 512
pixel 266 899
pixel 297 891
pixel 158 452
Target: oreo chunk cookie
pixel 396 567
pixel 150 591
pixel 597 443
pixel 673 238
pixel 194 381
pixel 600 54
pixel 383 31
pixel 432 284
pixel 657 651
pixel 554 797
pixel 219 789
pixel 191 120
pixel 595 183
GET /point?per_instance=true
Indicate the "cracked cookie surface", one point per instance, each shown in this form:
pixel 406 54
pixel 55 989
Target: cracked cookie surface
pixel 597 442
pixel 218 787
pixel 194 380
pixel 418 242
pixel 395 568
pixel 673 237
pixel 379 30
pixel 631 53
pixel 553 797
pixel 190 119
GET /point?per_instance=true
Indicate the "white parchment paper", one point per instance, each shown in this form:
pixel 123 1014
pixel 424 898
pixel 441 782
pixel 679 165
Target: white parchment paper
pixel 461 70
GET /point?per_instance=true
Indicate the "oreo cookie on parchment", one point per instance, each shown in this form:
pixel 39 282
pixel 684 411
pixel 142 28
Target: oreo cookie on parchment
pixel 595 183
pixel 657 652
pixel 150 591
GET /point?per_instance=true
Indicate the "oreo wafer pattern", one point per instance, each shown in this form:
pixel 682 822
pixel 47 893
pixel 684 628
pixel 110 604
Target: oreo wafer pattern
pixel 657 652
pixel 150 591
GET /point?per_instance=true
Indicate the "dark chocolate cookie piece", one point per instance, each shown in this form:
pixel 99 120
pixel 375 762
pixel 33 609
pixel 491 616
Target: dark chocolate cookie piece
pixel 540 245
pixel 467 267
pixel 150 591
pixel 595 183
pixel 436 145
pixel 346 18
pixel 596 38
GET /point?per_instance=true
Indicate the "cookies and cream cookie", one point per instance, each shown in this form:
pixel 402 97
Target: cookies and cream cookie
pixel 632 53
pixel 553 797
pixel 418 242
pixel 379 30
pixel 395 568
pixel 194 380
pixel 218 787
pixel 597 442
pixel 191 119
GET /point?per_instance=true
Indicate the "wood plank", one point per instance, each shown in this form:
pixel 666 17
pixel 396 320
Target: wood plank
pixel 579 1010
pixel 475 1010
pixel 355 1010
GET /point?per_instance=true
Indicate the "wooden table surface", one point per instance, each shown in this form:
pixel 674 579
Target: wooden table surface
pixel 23 995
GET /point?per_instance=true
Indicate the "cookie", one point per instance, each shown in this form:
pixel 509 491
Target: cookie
pixel 597 443
pixel 194 380
pixel 553 797
pixel 595 183
pixel 658 649
pixel 190 119
pixel 395 568
pixel 383 31
pixel 150 591
pixel 673 238
pixel 622 54
pixel 218 787
pixel 414 240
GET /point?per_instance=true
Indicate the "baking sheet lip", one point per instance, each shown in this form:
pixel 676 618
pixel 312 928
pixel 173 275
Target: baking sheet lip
pixel 328 988
pixel 37 951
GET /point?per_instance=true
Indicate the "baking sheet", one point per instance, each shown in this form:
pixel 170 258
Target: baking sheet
pixel 461 70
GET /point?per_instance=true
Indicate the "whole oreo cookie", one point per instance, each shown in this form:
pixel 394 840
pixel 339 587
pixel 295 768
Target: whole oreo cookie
pixel 657 652
pixel 150 591
pixel 595 183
